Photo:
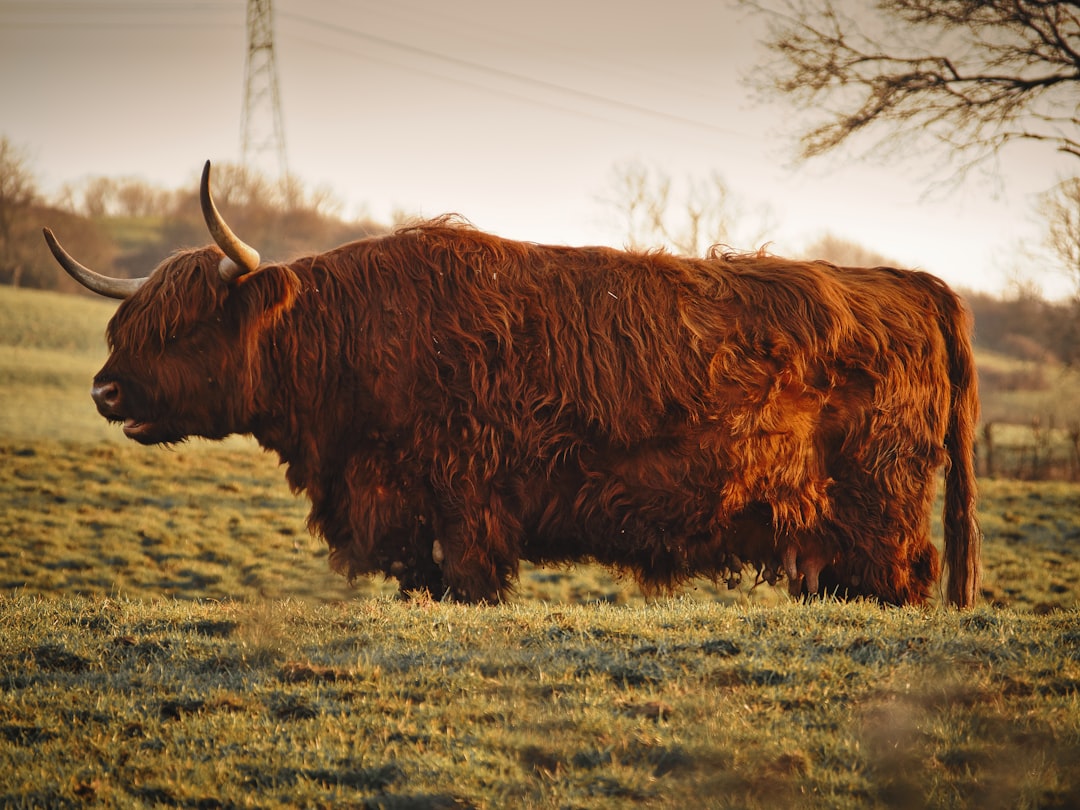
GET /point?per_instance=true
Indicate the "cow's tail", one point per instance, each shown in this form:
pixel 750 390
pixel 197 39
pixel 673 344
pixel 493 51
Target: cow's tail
pixel 963 537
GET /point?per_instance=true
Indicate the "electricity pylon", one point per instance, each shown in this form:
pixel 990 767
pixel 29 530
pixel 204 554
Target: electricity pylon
pixel 262 134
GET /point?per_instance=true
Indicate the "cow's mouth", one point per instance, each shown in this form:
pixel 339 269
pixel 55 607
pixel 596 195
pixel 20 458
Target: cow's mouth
pixel 133 428
pixel 145 432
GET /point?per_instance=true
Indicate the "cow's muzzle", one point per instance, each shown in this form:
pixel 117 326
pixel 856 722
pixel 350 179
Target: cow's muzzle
pixel 109 399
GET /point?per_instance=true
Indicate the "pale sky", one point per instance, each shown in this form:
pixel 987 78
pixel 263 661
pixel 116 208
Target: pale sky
pixel 512 114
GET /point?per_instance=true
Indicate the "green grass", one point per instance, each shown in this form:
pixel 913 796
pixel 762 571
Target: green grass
pixel 173 637
pixel 424 705
pixel 50 347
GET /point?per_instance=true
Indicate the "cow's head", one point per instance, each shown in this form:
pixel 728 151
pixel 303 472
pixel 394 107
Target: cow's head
pixel 184 343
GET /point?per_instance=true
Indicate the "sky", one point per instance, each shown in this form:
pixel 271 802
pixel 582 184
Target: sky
pixel 512 114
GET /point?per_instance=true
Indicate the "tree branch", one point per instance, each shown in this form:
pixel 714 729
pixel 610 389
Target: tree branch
pixel 997 64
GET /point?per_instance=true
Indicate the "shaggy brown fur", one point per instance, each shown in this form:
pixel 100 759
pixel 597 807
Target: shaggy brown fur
pixel 453 403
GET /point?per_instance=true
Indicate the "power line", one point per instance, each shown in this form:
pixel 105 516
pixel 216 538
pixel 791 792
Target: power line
pixel 139 6
pixel 112 15
pixel 506 74
pixel 486 88
pixel 156 14
pixel 69 13
pixel 488 32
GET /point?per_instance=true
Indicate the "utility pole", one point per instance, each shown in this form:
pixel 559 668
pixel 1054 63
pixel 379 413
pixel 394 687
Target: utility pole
pixel 262 134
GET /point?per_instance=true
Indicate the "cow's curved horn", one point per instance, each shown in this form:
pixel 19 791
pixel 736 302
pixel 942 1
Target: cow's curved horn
pixel 240 258
pixel 102 285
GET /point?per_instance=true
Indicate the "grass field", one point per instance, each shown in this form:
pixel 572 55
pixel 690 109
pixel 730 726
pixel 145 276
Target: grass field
pixel 425 705
pixel 173 637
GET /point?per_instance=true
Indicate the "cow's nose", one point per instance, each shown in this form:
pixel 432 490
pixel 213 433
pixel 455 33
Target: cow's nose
pixel 106 396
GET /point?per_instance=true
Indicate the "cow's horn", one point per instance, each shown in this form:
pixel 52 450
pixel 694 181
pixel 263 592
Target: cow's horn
pixel 240 258
pixel 102 285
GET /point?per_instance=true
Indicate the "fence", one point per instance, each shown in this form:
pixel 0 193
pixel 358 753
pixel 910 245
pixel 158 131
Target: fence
pixel 1035 452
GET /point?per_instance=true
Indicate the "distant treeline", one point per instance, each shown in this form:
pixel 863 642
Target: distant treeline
pixel 1028 327
pixel 125 227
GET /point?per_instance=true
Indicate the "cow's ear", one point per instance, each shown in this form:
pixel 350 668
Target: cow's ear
pixel 264 296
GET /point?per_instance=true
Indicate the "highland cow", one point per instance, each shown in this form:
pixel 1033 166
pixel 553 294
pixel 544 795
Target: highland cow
pixel 453 403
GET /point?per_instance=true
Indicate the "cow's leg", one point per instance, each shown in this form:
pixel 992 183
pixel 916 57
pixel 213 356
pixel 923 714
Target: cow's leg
pixel 478 552
pixel 418 576
pixel 388 525
pixel 881 525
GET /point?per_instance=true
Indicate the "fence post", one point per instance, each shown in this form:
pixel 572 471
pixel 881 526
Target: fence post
pixel 988 454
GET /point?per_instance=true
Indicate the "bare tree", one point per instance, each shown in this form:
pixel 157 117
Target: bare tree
pixel 102 197
pixel 97 196
pixel 689 218
pixel 137 198
pixel 844 252
pixel 18 194
pixel 1060 207
pixel 973 75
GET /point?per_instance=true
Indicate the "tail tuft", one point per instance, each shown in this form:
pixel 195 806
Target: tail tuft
pixel 963 537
